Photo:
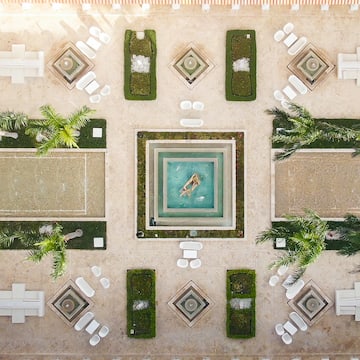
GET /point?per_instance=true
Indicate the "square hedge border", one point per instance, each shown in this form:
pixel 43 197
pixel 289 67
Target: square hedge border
pixel 86 140
pixel 141 324
pixel 245 315
pixel 150 35
pixel 246 48
pixel 143 137
pixel 90 229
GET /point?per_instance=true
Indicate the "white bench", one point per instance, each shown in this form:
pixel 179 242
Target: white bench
pixel 294 289
pixel 83 321
pixel 298 320
pixel 85 80
pixel 191 122
pixel 289 92
pixel 298 84
pixel 191 245
pixel 297 46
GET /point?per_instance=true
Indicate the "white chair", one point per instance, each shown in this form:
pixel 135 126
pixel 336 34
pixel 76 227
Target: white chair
pixel 85 287
pixel 93 43
pixel 105 91
pixel 96 32
pixel 198 105
pixel 205 7
pixel 95 99
pixel 96 270
pixel 86 50
pixel 278 95
pixel 298 84
pixel 293 290
pixel 182 263
pixel 83 321
pixel 288 28
pixel 282 270
pixel 279 329
pixel 291 38
pixel 105 282
pixel 279 35
pixel 94 340
pixel 298 320
pixel 286 338
pixel 290 328
pixel 195 264
pixel 273 280
pixel 103 331
pixel 185 105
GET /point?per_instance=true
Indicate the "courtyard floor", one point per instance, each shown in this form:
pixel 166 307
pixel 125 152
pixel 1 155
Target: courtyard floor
pixel 49 338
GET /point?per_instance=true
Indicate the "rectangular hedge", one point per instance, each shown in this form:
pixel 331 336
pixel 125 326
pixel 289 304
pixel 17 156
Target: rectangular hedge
pixel 86 140
pixel 140 86
pixel 240 85
pixel 240 284
pixel 140 285
pixel 90 229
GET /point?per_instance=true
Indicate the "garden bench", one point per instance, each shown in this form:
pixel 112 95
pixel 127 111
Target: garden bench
pixel 298 320
pixel 85 287
pixel 83 321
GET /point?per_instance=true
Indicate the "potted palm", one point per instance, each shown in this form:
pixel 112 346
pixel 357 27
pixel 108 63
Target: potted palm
pixel 305 238
pixel 56 130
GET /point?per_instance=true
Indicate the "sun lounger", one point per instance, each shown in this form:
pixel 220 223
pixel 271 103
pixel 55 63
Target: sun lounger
pixel 85 287
pixel 298 84
pixel 298 320
pixel 294 289
pixel 83 321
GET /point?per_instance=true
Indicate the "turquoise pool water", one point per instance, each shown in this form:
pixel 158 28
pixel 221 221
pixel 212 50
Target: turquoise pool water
pixel 175 169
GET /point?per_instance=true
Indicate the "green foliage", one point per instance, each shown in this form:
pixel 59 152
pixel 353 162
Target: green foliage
pixel 10 120
pixel 58 131
pixel 297 129
pixel 240 85
pixel 140 86
pixel 241 284
pixel 305 238
pixel 140 284
pixel 350 235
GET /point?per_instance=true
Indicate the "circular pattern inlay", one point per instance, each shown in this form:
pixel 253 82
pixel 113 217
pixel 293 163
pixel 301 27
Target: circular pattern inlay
pixel 191 305
pixel 66 63
pixel 311 304
pixel 190 63
pixel 68 305
pixel 312 64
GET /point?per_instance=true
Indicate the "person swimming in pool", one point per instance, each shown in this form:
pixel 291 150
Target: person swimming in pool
pixel 190 185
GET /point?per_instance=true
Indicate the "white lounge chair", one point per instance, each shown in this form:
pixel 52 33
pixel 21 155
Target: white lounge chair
pixel 286 338
pixel 94 340
pixel 86 50
pixel 95 31
pixel 185 105
pixel 83 321
pixel 288 28
pixel 273 280
pixel 105 91
pixel 191 245
pixel 84 287
pixel 298 84
pixel 282 270
pixel 294 289
pixel 195 264
pixel 279 35
pixel 182 263
pixel 93 43
pixel 298 320
pixel 104 331
pixel 95 99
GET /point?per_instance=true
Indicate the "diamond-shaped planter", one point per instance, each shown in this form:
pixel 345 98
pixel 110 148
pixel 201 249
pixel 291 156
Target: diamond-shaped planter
pixel 191 66
pixel 190 303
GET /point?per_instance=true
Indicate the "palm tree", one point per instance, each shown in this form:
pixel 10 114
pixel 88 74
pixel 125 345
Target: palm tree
pixel 305 237
pixel 50 242
pixel 300 129
pixel 57 131
pixel 10 121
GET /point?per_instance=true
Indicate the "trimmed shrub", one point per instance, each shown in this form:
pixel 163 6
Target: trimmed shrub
pixel 240 85
pixel 141 320
pixel 240 322
pixel 140 86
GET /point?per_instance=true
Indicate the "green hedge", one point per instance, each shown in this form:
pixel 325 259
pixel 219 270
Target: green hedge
pixel 140 86
pixel 240 85
pixel 143 137
pixel 240 284
pixel 90 229
pixel 86 140
pixel 140 284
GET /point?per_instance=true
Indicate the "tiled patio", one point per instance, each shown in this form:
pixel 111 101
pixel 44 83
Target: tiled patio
pixel 50 338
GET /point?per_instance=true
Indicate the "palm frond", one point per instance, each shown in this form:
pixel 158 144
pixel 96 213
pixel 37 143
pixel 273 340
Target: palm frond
pixel 80 118
pixel 59 264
